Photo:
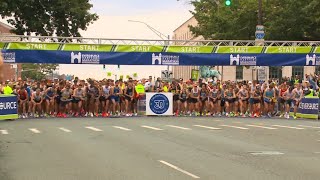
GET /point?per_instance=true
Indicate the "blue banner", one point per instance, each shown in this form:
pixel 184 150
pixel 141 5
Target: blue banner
pixel 163 58
pixel 309 108
pixel 8 105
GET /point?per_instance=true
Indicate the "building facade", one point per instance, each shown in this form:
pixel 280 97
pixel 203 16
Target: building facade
pixel 234 73
pixel 8 71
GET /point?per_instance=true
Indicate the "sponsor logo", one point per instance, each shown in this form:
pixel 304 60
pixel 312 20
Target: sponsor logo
pixel 310 106
pixel 312 60
pixel 162 59
pixel 243 60
pixel 159 104
pixel 81 58
pixel 9 57
pixel 8 105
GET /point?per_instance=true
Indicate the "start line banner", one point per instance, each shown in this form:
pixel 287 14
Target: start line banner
pixel 55 53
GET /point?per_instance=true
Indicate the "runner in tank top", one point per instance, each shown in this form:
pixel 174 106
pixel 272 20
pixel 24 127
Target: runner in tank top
pixel 243 99
pixel 49 97
pixel 78 98
pixel 194 99
pixel 288 97
pixel 23 99
pixel 229 96
pixel 214 99
pixel 298 95
pixel 65 99
pixel 183 100
pixel 105 99
pixel 268 95
pixel 203 99
pixel 129 95
pixel 37 99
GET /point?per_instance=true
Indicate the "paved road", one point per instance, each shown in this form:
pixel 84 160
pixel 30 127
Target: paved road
pixel 159 148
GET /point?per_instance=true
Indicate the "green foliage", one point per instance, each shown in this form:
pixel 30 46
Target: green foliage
pixel 37 71
pixel 283 20
pixel 47 18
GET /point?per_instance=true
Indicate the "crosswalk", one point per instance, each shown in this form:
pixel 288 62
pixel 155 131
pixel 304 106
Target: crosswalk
pixel 170 127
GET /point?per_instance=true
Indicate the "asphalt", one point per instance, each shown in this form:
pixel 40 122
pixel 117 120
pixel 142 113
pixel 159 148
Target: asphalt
pixel 184 148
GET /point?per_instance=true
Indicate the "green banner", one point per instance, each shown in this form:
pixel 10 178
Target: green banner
pixel 87 47
pixel 1 45
pixel 33 46
pixel 194 74
pixel 190 49
pixel 239 49
pixel 138 48
pixel 317 50
pixel 9 116
pixel 289 49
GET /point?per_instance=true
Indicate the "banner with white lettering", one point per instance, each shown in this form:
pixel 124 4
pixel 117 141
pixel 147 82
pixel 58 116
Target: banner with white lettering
pixel 159 104
pixel 8 107
pixel 309 108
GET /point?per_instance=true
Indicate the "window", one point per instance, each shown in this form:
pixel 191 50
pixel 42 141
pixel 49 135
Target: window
pixel 239 72
pixel 275 72
pixel 298 70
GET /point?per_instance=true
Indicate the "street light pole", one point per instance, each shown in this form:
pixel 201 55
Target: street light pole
pixel 260 12
pixel 158 33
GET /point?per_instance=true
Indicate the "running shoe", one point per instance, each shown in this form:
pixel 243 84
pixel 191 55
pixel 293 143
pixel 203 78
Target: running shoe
pixel 269 115
pixel 294 117
pixel 91 114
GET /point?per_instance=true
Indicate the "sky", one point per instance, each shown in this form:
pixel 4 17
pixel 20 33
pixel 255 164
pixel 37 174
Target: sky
pixel 163 15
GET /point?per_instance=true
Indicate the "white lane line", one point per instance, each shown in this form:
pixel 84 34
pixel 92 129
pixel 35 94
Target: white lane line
pixel 317 152
pixel 4 131
pixel 289 127
pixel 237 127
pixel 218 120
pixel 309 126
pixel 153 128
pixel 65 130
pixel 207 127
pixel 263 127
pixel 179 127
pixel 122 128
pixel 237 122
pixel 34 130
pixel 93 128
pixel 179 169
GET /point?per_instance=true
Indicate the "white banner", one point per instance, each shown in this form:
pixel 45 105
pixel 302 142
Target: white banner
pixel 159 104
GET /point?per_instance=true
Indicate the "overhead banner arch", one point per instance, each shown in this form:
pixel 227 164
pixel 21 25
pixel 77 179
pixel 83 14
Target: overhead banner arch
pixel 24 49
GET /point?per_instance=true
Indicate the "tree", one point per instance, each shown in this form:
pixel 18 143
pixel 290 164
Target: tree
pixel 47 18
pixel 37 71
pixel 283 20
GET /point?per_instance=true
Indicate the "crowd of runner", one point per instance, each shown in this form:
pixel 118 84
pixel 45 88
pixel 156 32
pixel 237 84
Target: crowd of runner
pixel 105 98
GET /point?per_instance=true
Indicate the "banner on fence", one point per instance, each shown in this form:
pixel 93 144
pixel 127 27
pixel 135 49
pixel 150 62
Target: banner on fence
pixel 159 104
pixel 8 107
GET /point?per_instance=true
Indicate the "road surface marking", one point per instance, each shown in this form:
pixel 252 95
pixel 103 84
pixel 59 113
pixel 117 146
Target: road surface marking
pixel 179 169
pixel 4 132
pixel 65 130
pixel 34 130
pixel 266 153
pixel 237 122
pixel 309 126
pixel 264 127
pixel 290 127
pixel 217 120
pixel 317 152
pixel 318 140
pixel 93 128
pixel 122 128
pixel 237 127
pixel 207 127
pixel 153 128
pixel 179 127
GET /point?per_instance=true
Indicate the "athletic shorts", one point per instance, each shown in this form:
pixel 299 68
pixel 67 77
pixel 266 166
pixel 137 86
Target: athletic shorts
pixel 256 101
pixel 230 100
pixel 251 100
pixel 76 101
pixel 115 98
pixel 193 100
pixel 266 100
pixel 175 97
pixel 289 102
pixel 102 99
pixel 57 99
pixel 183 100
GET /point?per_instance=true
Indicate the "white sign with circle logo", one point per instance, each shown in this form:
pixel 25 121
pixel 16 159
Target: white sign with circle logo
pixel 159 104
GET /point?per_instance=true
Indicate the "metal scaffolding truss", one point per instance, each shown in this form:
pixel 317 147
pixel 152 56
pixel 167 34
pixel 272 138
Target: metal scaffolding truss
pixel 81 40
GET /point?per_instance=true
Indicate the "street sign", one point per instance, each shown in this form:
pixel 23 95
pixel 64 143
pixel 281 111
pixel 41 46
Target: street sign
pixel 260 32
pixel 194 74
pixel 166 74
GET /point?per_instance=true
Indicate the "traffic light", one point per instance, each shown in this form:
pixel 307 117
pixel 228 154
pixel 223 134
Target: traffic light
pixel 228 2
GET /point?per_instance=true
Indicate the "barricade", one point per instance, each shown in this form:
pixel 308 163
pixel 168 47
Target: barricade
pixel 8 107
pixel 309 108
